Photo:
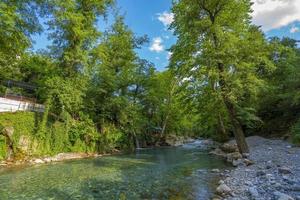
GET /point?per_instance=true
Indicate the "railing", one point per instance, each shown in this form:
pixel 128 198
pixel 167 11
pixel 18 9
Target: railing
pixel 20 98
pixel 12 105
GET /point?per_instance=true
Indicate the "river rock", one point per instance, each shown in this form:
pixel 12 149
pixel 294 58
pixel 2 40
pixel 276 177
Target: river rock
pixel 173 140
pixel 229 148
pixel 47 160
pixel 237 162
pixel 253 193
pixel 248 162
pixel 223 190
pixel 38 161
pixel 295 188
pixel 260 173
pixel 218 152
pixel 69 156
pixel 282 196
pixel 215 170
pixel 234 156
pixel 284 170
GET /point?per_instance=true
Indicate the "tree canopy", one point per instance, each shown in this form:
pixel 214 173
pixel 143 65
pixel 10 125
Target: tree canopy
pixel 225 77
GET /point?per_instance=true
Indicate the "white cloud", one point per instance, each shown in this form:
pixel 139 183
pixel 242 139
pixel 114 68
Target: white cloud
pixel 273 14
pixel 166 18
pixel 157 45
pixel 169 55
pixel 294 29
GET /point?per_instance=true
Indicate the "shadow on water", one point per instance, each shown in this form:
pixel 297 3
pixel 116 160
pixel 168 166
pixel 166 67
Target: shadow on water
pixel 167 173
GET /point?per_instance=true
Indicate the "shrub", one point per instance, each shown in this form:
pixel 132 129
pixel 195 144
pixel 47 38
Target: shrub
pixel 296 132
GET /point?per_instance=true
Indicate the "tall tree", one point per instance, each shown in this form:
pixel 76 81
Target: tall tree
pixel 216 38
pixel 74 32
pixel 18 21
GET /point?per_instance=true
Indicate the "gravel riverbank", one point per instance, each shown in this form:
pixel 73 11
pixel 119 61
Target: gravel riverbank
pixel 273 174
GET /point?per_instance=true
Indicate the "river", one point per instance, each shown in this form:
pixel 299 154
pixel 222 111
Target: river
pixel 162 173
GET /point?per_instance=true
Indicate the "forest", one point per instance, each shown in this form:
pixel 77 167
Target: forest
pixel 225 78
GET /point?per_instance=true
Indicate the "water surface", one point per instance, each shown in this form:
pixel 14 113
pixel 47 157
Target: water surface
pixel 164 173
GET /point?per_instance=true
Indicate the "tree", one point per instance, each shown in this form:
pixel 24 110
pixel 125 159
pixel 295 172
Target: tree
pixel 217 40
pixel 74 32
pixel 16 28
pixel 279 105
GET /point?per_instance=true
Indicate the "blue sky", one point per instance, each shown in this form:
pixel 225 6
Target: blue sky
pixel 151 17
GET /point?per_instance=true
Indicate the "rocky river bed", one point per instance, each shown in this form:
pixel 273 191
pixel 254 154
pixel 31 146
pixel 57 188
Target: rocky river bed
pixel 270 172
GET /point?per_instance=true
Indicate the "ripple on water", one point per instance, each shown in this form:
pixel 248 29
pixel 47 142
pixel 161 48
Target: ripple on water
pixel 166 173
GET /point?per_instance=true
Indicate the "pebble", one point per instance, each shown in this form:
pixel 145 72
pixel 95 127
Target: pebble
pixel 284 170
pixel 248 162
pixel 282 196
pixel 260 173
pixel 237 162
pixel 274 175
pixel 253 192
pixel 215 170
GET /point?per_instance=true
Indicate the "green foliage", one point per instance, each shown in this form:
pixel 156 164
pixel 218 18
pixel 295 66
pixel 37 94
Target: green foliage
pixel 16 27
pixel 66 95
pixel 24 124
pixel 224 76
pixel 217 56
pixel 74 31
pixel 279 104
pixel 2 147
pixel 295 130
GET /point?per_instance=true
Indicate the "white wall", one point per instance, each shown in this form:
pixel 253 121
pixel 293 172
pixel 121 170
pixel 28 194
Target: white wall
pixel 8 105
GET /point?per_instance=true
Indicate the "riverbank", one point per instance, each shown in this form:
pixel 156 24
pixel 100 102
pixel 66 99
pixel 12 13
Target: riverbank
pixel 49 159
pixel 273 174
pixel 171 141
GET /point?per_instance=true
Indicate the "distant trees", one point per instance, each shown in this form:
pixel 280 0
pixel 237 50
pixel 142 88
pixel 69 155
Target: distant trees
pixel 279 105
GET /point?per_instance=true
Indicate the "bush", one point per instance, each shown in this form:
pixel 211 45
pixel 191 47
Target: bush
pixel 24 124
pixel 2 147
pixel 296 133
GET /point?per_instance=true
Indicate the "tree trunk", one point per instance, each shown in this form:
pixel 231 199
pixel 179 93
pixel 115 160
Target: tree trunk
pixel 237 128
pixel 222 129
pixel 164 126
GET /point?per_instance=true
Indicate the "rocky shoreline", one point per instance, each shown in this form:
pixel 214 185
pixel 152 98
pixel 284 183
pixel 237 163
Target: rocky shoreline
pixel 170 141
pixel 50 159
pixel 270 172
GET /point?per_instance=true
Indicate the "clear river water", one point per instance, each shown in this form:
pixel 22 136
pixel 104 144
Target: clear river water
pixel 162 173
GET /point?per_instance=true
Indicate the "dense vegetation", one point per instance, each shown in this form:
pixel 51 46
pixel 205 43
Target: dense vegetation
pixel 225 77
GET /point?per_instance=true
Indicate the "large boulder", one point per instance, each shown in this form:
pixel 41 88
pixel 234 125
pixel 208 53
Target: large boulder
pixel 173 140
pixel 229 148
pixel 8 133
pixel 233 156
pixel 223 190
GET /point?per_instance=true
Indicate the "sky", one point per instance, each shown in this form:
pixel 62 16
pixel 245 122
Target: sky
pixel 152 17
